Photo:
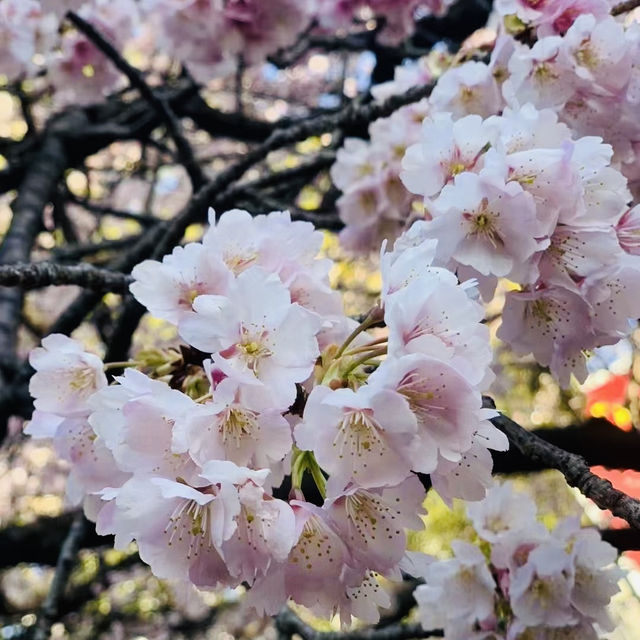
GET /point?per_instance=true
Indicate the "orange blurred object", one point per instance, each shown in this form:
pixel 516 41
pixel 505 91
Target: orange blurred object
pixel 609 400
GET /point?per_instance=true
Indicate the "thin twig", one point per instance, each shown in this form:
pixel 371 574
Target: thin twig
pixel 43 274
pixel 159 104
pixel 66 561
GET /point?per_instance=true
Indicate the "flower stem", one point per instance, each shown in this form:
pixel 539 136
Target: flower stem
pixel 374 316
pixel 120 365
pixel 375 353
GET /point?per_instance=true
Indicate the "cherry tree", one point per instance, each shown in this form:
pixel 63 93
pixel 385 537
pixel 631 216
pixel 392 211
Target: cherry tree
pixel 278 442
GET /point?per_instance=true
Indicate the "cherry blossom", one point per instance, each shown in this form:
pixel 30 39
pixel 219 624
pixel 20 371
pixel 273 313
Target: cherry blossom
pixel 249 332
pixel 358 435
pixel 168 288
pixel 526 582
pixel 373 521
pixel 66 376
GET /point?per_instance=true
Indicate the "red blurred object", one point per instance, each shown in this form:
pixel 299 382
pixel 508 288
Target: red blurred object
pixel 629 482
pixel 608 401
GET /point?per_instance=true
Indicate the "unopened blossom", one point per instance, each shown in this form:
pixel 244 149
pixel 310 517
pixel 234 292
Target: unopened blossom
pixel 358 435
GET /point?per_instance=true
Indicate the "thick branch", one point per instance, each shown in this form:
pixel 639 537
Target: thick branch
pixel 574 468
pixel 43 274
pixel 596 440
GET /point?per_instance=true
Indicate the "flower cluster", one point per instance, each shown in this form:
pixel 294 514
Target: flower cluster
pixel 210 35
pixel 186 452
pixel 515 196
pixel 515 185
pixel 520 581
pixel 375 205
pixel 398 15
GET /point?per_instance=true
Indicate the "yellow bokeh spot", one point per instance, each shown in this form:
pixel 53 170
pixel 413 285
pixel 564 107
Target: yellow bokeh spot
pixel 599 409
pixel 310 198
pixel 193 233
pixel 622 418
pixel 77 183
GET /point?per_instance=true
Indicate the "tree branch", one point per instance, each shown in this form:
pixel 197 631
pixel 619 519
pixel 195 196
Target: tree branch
pixel 66 561
pixel 574 468
pixel 160 105
pixel 43 274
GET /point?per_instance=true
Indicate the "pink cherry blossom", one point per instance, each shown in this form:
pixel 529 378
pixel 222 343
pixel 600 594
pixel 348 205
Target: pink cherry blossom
pixel 250 334
pixel 543 322
pixel 317 572
pixel 446 149
pixel 358 435
pixel 229 429
pixel 441 321
pixel 372 522
pixel 447 408
pixel 66 375
pixel 168 288
pixel 476 224
pixel 469 88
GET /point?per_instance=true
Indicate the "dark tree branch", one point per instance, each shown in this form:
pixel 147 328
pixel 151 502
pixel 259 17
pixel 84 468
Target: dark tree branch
pixel 144 219
pixel 288 624
pixel 160 105
pixel 64 566
pixel 75 252
pixel 573 467
pixel 624 7
pixel 43 274
pixel 596 440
